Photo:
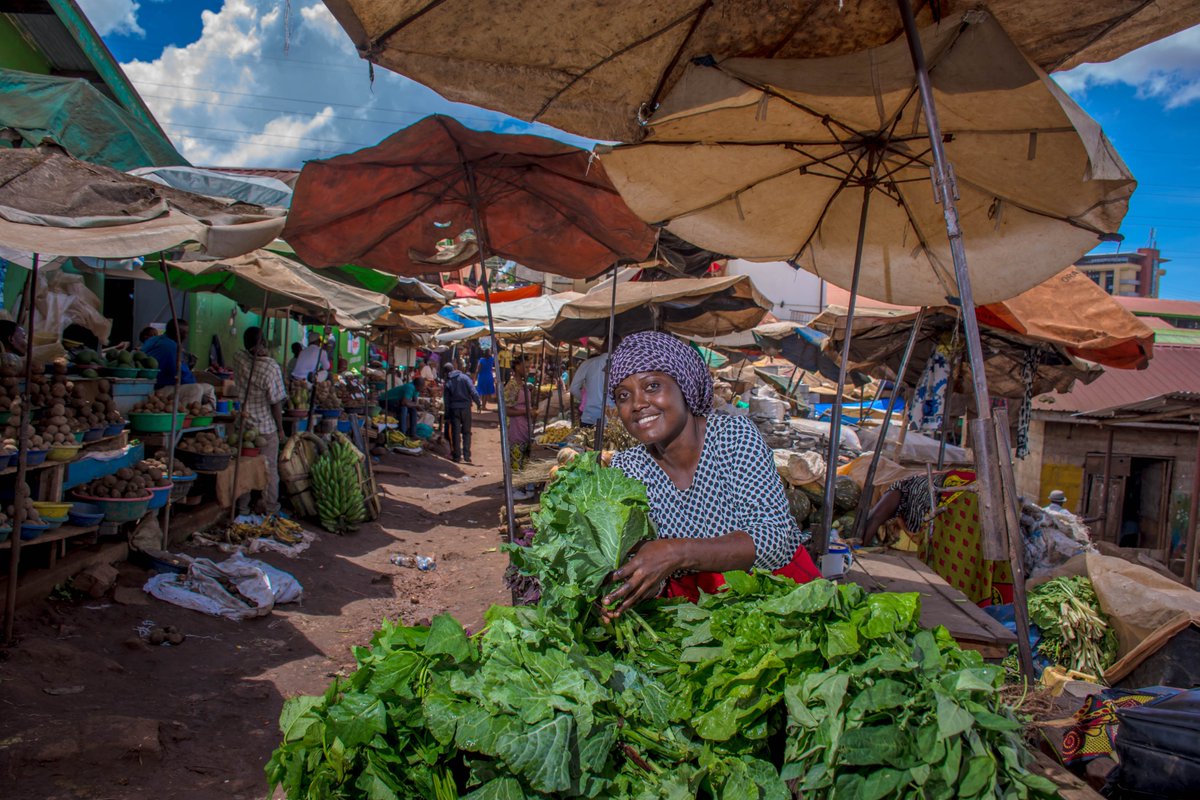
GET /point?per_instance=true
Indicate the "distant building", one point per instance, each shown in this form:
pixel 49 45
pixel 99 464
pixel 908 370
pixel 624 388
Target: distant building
pixel 1173 321
pixel 797 296
pixel 1134 274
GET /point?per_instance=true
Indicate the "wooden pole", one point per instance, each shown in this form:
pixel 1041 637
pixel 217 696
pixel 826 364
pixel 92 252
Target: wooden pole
pixel 612 329
pixel 1015 540
pixel 1105 482
pixel 19 485
pixel 1189 567
pixel 166 531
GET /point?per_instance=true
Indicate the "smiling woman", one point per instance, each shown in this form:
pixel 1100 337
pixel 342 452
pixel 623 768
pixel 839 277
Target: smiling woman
pixel 715 497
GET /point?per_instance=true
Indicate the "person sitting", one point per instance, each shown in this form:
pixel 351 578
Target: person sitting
pixel 716 498
pixel 165 350
pixel 312 364
pixel 297 349
pixel 403 401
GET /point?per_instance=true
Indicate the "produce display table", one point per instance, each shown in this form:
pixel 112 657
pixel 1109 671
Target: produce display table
pixel 251 475
pixel 941 603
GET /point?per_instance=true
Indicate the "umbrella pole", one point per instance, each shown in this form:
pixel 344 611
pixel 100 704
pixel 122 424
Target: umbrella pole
pixel 821 536
pixel 481 240
pixel 955 367
pixel 864 500
pixel 241 427
pixel 166 529
pixel 612 328
pixel 14 540
pixel 987 457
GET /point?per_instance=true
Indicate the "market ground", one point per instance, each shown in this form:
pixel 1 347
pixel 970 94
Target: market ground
pixel 89 710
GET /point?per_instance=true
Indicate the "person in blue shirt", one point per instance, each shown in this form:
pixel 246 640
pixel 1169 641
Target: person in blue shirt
pixel 403 400
pixel 164 349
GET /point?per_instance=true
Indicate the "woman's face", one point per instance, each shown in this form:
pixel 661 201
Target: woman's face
pixel 18 339
pixel 651 407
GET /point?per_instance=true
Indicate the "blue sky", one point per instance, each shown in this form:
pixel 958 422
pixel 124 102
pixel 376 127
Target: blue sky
pixel 218 77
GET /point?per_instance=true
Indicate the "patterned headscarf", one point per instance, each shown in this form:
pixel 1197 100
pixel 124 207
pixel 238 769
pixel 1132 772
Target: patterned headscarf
pixel 652 351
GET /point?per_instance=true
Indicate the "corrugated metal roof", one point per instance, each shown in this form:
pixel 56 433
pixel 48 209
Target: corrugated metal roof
pixel 1158 307
pixel 1176 407
pixel 1173 368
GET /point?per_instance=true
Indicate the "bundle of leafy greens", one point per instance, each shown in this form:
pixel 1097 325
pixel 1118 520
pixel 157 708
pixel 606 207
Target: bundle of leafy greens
pixel 1075 632
pixel 765 690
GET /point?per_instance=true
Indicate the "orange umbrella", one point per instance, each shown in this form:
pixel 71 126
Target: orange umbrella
pixel 460 291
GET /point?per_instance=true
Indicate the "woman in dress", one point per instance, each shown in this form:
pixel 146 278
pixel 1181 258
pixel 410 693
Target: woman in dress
pixel 485 378
pixel 716 498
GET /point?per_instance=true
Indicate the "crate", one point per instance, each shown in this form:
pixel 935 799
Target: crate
pixel 87 469
pixel 128 392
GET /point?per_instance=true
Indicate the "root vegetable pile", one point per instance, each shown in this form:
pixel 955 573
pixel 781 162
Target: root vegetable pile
pixel 206 443
pixel 766 690
pixel 128 482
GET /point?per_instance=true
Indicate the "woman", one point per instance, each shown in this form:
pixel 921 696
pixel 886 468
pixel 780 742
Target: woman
pixel 485 378
pixel 518 400
pixel 716 498
pixel 12 338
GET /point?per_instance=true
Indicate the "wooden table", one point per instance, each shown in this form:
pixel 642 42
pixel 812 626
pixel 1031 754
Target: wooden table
pixel 941 603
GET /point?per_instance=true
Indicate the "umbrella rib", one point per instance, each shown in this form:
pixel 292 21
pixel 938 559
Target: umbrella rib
pixel 922 240
pixel 687 38
pixel 824 211
pixel 404 23
pixel 617 54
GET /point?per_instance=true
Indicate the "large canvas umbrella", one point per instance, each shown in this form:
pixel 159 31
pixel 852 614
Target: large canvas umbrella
pixel 542 203
pixel 767 160
pixel 596 68
pixel 536 201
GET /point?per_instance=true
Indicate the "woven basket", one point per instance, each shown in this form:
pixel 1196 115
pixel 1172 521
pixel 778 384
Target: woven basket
pixel 295 466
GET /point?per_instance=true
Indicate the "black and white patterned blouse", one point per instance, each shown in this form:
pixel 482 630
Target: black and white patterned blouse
pixel 736 488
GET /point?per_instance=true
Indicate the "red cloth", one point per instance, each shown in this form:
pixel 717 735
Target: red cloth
pixel 801 570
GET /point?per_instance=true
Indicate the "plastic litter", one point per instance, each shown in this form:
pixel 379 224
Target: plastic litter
pixel 423 563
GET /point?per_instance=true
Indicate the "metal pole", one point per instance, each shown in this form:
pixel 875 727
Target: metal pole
pixel 612 328
pixel 821 536
pixel 1104 484
pixel 955 368
pixel 1016 547
pixel 241 427
pixel 864 500
pixel 481 241
pixel 14 538
pixel 166 532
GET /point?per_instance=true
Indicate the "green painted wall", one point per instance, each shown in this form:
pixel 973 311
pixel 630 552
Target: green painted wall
pixel 209 315
pixel 15 52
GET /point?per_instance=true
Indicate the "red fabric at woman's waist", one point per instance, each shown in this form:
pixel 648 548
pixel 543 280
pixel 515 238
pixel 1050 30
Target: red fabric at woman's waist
pixel 801 569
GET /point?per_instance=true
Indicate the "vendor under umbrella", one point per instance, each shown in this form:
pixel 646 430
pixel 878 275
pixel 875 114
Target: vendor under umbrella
pixel 716 499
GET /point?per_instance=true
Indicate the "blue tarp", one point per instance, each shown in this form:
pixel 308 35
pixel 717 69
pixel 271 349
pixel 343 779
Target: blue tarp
pixel 449 313
pixel 73 114
pixel 852 411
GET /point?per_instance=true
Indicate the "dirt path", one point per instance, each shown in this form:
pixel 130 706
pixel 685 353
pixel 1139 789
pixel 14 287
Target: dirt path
pixel 88 710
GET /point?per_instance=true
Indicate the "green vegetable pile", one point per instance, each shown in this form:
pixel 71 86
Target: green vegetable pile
pixel 1075 633
pixel 765 690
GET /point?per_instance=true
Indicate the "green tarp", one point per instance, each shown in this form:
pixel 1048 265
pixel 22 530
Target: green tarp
pixel 76 116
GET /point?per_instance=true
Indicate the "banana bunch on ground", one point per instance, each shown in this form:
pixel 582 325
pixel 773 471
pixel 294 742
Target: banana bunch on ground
pixel 385 419
pixel 395 438
pixel 335 484
pixel 555 432
pixel 278 528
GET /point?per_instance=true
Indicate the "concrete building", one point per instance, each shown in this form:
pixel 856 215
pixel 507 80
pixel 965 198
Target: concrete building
pixel 798 296
pixel 1134 274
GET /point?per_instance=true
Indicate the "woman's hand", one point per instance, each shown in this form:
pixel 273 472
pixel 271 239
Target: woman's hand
pixel 641 576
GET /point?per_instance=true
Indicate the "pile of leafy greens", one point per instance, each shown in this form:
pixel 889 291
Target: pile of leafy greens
pixel 765 690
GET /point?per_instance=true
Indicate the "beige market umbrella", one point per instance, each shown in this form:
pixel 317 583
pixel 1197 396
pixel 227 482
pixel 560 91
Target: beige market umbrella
pixel 767 159
pixel 594 68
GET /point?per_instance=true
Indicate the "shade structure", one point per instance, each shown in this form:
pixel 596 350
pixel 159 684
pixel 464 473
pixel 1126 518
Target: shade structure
pixel 591 68
pixel 79 118
pixel 53 204
pixel 284 285
pixel 767 159
pixel 690 307
pixel 1069 312
pixel 460 291
pixel 542 203
pixel 538 309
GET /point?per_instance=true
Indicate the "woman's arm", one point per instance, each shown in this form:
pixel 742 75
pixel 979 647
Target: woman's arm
pixel 657 560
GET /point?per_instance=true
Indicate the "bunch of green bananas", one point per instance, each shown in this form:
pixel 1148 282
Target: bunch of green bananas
pixel 339 495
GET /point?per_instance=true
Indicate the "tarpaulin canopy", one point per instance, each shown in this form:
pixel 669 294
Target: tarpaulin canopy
pixel 521 293
pixel 459 290
pixel 690 307
pixel 516 331
pixel 1068 311
pixel 56 205
pixel 596 68
pixel 542 203
pixel 263 277
pixel 769 159
pixel 539 309
pixel 417 323
pixel 76 116
pixel 258 189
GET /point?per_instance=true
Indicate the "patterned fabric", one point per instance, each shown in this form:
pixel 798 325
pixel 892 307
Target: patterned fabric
pixel 929 398
pixel 518 455
pixel 266 389
pixel 1029 367
pixel 955 550
pixel 735 488
pixel 518 400
pixel 652 351
pixel 914 500
pixel 1095 731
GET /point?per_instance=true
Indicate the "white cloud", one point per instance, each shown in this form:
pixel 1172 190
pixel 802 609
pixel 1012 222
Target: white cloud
pixel 235 97
pixel 1167 70
pixel 113 16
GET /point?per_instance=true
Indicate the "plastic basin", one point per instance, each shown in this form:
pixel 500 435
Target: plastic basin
pixel 145 422
pixel 63 452
pixel 330 413
pixel 86 515
pixel 54 522
pixel 79 435
pixel 250 451
pixel 201 422
pixel 49 509
pixel 181 486
pixel 146 373
pixel 5 532
pixel 119 509
pixel 29 531
pixel 114 429
pixel 92 434
pixel 123 372
pixel 35 457
pixel 159 496
pixel 6 459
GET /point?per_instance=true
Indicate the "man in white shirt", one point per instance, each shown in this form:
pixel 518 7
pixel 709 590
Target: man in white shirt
pixel 588 389
pixel 311 359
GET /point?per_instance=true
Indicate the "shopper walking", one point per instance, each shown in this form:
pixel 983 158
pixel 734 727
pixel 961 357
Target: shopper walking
pixel 458 395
